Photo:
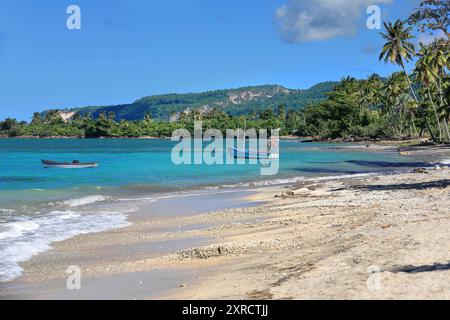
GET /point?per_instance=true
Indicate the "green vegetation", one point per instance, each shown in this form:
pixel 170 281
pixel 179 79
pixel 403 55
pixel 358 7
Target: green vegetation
pixel 232 101
pixel 400 106
pixel 254 107
pixel 403 105
pixel 106 126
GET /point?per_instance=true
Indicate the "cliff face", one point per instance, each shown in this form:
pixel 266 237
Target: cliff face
pixel 67 115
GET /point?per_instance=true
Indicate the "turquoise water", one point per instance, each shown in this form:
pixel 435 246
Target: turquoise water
pixel 146 165
pixel 39 206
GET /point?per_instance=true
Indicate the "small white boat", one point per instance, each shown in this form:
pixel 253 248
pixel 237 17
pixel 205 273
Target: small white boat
pixel 69 165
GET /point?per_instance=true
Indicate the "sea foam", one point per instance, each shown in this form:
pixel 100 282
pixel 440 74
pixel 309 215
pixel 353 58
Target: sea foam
pixel 73 203
pixel 16 229
pixel 21 240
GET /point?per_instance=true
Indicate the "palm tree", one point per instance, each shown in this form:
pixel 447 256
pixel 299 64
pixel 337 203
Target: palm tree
pixel 439 59
pixel 398 49
pixel 447 92
pixel 445 108
pixel 427 74
pixel 395 87
pixel 348 85
pixel 405 109
pixel 375 86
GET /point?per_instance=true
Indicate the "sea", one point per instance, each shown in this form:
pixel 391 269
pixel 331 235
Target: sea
pixel 40 206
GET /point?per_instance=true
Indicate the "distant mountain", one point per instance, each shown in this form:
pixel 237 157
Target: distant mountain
pixel 233 101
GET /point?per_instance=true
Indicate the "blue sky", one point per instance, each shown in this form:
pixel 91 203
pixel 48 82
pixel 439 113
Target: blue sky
pixel 129 49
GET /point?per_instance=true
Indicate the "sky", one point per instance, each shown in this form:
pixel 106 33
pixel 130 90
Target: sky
pixel 127 49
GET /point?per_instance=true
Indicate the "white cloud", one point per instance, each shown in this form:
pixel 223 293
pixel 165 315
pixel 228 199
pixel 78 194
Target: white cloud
pixel 318 20
pixel 427 38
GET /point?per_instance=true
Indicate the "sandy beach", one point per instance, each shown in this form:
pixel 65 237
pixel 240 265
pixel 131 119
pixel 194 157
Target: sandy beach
pixel 370 237
pixel 225 151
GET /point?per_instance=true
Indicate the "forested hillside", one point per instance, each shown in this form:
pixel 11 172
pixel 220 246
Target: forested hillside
pixel 231 101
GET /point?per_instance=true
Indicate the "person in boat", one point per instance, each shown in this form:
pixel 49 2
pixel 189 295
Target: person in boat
pixel 271 143
pixel 75 162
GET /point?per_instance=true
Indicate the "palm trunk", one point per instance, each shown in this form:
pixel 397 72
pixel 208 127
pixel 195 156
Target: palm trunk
pixel 417 100
pixel 442 102
pixel 413 119
pixel 446 129
pixel 430 131
pixel 441 134
pixel 409 83
pixel 447 117
pixel 421 131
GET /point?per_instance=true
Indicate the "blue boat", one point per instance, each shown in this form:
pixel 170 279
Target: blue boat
pixel 244 154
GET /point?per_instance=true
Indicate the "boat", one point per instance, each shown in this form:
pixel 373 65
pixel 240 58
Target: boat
pixel 69 165
pixel 243 154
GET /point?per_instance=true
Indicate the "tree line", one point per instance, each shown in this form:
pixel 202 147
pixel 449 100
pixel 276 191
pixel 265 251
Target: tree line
pixel 105 125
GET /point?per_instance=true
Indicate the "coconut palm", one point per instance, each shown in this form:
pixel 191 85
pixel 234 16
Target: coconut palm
pixel 405 109
pixel 427 74
pixel 445 108
pixel 374 87
pixel 439 59
pixel 348 85
pixel 395 87
pixel 398 49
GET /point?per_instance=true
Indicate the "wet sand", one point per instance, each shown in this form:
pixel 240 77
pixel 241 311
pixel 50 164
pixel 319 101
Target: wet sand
pixel 159 228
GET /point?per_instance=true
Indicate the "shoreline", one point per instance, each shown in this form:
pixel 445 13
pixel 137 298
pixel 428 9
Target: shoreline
pixel 195 245
pixel 200 271
pixel 152 232
pixel 307 139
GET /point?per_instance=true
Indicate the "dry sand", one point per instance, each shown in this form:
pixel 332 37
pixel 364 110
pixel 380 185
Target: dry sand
pixel 381 238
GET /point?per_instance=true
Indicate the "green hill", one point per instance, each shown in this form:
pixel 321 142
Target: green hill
pixel 233 101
